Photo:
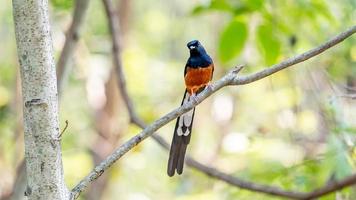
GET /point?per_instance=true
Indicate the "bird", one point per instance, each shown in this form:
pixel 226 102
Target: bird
pixel 198 73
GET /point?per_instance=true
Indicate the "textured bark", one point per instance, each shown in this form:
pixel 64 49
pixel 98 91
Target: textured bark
pixel 40 101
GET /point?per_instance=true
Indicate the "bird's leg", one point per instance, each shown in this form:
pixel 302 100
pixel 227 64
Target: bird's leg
pixel 209 86
pixel 193 96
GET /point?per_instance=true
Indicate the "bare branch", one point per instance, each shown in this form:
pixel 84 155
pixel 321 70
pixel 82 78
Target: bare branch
pixel 329 188
pixel 72 37
pixel 17 191
pixel 241 183
pixel 64 129
pixel 114 28
pixel 348 96
pixel 229 79
pixel 212 172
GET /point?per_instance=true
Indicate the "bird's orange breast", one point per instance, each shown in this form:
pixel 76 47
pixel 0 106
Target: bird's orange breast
pixel 196 78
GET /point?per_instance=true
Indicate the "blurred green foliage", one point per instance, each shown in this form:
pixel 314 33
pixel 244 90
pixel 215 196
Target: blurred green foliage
pixel 62 4
pixel 232 39
pixel 292 130
pixel 268 43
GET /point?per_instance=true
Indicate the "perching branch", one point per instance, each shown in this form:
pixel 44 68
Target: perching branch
pixel 148 131
pixel 207 170
pixel 230 78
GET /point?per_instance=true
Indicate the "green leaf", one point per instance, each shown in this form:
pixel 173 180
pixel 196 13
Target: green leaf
pixel 268 43
pixel 220 5
pixel 214 5
pixel 232 40
pixel 62 4
pixel 340 160
pixel 322 8
pixel 241 10
pixel 254 4
pixel 198 10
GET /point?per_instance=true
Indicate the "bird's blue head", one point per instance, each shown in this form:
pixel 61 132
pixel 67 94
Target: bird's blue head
pixel 195 48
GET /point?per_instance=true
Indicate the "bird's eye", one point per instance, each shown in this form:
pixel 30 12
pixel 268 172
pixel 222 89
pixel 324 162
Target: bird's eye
pixel 193 44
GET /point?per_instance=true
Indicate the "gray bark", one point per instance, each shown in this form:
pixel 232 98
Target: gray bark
pixel 40 108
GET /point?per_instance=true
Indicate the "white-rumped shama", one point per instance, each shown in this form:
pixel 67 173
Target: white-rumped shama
pixel 198 73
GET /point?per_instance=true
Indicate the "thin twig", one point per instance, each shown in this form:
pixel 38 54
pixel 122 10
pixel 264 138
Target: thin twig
pixel 347 96
pixel 114 27
pixel 230 78
pixel 326 189
pixel 72 37
pixel 212 172
pixel 65 128
pixel 331 187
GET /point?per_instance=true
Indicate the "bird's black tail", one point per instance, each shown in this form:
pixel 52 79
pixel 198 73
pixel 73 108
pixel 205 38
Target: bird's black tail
pixel 180 141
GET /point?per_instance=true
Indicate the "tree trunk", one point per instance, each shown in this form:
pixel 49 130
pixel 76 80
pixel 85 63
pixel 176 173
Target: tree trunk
pixel 40 108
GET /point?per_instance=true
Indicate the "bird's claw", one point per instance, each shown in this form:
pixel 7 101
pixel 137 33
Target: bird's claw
pixel 209 86
pixel 194 98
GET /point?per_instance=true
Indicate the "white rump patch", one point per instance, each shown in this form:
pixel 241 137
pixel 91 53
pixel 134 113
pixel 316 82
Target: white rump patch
pixel 185 120
pixel 187 132
pixel 180 126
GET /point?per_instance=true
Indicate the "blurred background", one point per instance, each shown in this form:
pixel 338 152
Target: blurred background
pixel 295 129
